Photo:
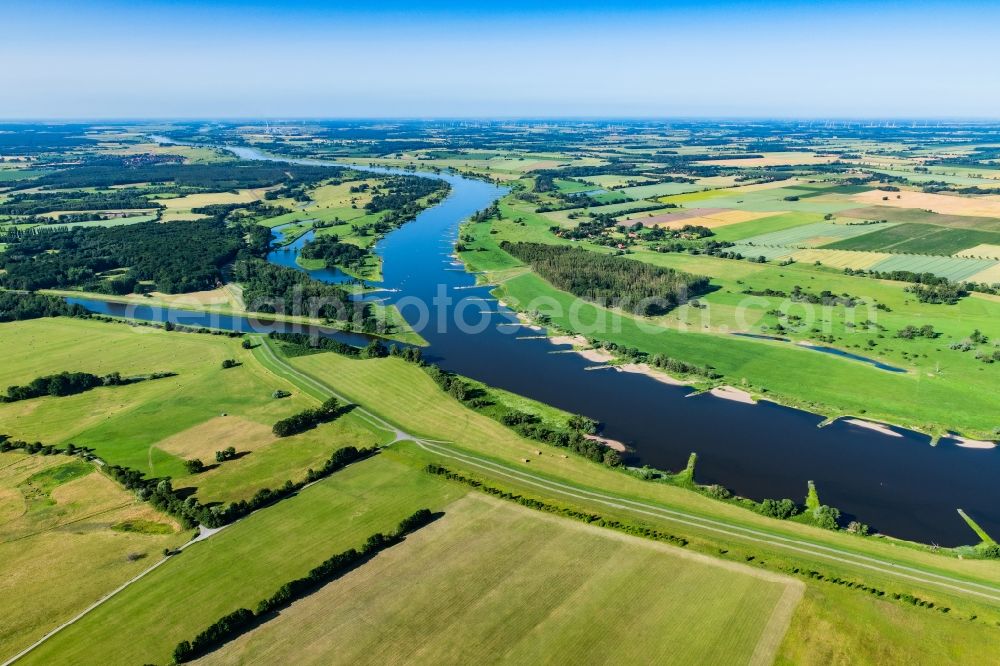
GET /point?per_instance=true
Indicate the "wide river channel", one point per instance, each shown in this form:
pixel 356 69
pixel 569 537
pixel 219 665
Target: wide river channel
pixel 901 485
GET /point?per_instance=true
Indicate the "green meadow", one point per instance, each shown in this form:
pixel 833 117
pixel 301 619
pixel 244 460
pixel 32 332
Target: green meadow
pixel 62 542
pixel 153 426
pixel 606 598
pixel 246 562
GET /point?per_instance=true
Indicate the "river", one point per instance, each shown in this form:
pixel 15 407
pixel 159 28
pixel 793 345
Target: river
pixel 901 485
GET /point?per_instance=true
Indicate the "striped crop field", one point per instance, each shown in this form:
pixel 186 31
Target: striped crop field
pixel 811 235
pixel 957 269
pixel 990 276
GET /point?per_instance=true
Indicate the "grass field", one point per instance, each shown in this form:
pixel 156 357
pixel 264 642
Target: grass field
pixel 59 546
pixel 837 626
pixel 246 562
pixel 466 589
pixel 152 426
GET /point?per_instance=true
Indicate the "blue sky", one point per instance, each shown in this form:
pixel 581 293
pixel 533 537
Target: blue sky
pixel 441 58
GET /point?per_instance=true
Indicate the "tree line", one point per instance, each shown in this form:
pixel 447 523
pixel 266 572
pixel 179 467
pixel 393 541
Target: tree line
pixel 35 203
pixel 216 177
pixel 71 383
pixel 17 306
pixel 161 494
pixel 307 419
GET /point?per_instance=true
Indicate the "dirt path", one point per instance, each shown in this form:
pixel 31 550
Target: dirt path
pixel 777 625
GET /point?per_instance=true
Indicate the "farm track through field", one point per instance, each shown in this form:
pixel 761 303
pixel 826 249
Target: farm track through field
pixel 715 525
pixel 68 522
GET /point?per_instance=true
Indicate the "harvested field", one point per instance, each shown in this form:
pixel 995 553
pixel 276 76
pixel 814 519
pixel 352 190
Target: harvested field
pixel 921 216
pixel 203 440
pixel 615 180
pixel 946 204
pixel 984 251
pixel 774 159
pixel 465 589
pixel 186 203
pixel 220 296
pixel 705 217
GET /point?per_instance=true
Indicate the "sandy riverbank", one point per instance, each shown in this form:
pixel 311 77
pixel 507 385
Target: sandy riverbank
pixel 575 340
pixel 967 443
pixel 645 369
pixel 877 427
pixel 610 443
pixel 734 394
pixel 596 355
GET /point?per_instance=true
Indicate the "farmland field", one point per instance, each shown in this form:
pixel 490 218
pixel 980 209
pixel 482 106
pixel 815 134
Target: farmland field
pixel 816 234
pixel 840 258
pixel 775 159
pixel 466 589
pixel 938 203
pixel 659 190
pixel 917 239
pixel 985 251
pixel 953 268
pixel 921 216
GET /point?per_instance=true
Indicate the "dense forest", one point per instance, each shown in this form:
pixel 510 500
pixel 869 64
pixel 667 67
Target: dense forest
pixel 631 285
pixel 333 252
pixel 276 289
pixel 215 177
pixel 16 306
pixel 175 257
pixel 35 203
pixel 399 191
